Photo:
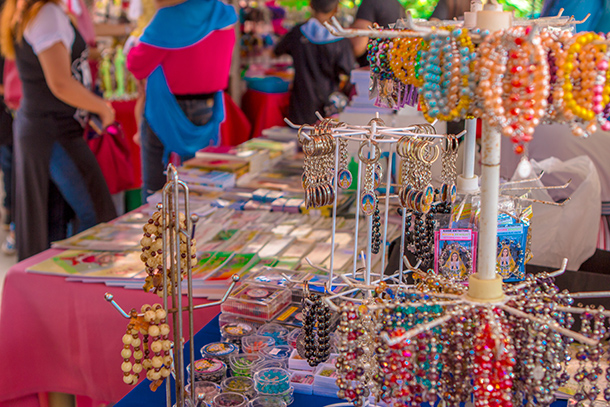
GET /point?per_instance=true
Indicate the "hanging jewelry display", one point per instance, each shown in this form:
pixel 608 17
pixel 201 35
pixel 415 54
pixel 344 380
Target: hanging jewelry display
pixel 419 227
pixel 480 335
pixel 318 149
pixel 352 364
pixel 167 242
pixel 313 343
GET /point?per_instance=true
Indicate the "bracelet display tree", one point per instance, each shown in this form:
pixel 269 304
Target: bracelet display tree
pixel 177 229
pixel 485 301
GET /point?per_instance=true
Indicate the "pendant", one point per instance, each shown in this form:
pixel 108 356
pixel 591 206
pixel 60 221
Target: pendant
pixel 367 202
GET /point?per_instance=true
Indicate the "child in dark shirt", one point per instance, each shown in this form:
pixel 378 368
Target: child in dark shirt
pixel 319 60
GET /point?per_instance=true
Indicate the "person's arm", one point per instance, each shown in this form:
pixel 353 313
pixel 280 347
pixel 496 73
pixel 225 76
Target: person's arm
pixel 143 59
pixel 359 43
pixel 139 111
pixel 113 30
pixel 55 62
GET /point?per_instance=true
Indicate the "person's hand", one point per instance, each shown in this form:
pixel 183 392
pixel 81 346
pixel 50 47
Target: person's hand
pixel 136 138
pixel 107 115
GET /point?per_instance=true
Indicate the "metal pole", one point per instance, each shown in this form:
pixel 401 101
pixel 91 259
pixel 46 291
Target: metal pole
pixel 387 210
pixel 334 227
pixel 357 218
pixel 402 245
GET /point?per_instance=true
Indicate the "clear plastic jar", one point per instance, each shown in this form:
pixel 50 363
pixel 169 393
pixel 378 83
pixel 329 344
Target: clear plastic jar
pixel 267 402
pixel 239 384
pixel 230 400
pixel 292 338
pixel 272 381
pixel 277 353
pixel 220 350
pixel 255 343
pixel 275 331
pixel 234 331
pixel 208 369
pixel 204 391
pixel 244 364
pixel 285 397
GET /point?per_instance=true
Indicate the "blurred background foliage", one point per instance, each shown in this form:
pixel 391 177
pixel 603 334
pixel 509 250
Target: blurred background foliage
pixel 424 8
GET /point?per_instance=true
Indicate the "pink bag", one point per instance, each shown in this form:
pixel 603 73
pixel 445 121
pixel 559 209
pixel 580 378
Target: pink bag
pixel 12 85
pixel 114 157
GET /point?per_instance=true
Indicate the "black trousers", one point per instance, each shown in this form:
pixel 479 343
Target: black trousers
pixel 54 166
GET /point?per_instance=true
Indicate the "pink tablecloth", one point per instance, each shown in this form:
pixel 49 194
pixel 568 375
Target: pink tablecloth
pixel 58 336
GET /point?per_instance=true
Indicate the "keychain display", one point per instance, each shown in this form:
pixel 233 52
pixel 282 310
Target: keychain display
pixel 448 190
pixel 368 198
pixel 318 168
pixel 344 176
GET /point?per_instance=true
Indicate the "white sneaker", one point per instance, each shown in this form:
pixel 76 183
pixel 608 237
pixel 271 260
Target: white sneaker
pixel 8 246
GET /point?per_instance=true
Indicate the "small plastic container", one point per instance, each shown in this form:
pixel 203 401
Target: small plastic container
pixel 233 332
pixel 326 376
pixel 302 382
pixel 256 343
pixel 275 331
pixel 277 353
pixel 286 397
pixel 230 400
pixel 220 350
pixel 257 301
pixel 239 384
pixel 208 369
pixel 204 391
pixel 296 362
pixel 272 381
pixel 291 339
pixel 265 364
pixel 244 364
pixel 267 402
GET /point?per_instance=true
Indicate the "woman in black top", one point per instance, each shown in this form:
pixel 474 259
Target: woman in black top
pixel 52 160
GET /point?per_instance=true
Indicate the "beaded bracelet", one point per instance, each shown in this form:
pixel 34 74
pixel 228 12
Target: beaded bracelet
pixel 152 253
pixel 555 46
pixel 513 83
pixel 354 353
pixel 586 92
pixel 154 357
pixel 441 78
pixel 583 60
pixel 313 343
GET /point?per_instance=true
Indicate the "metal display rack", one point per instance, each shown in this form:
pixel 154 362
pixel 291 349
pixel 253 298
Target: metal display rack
pixel 174 192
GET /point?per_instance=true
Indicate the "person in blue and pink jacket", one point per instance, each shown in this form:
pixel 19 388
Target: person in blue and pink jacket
pixel 185 56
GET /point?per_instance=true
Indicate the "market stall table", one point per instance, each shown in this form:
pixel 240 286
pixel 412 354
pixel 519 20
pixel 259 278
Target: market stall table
pixel 60 336
pixel 265 110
